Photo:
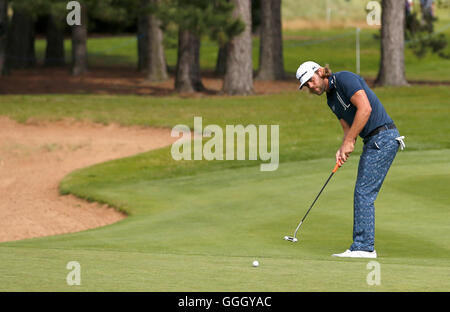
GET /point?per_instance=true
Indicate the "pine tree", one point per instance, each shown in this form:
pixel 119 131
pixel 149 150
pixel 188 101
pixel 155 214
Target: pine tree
pixel 238 78
pixel 151 56
pixel 79 43
pixel 271 66
pixel 20 48
pixel 3 36
pixel 392 64
pixel 421 35
pixel 197 18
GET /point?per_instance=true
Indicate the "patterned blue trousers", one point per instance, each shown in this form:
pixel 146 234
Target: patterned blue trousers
pixel 378 154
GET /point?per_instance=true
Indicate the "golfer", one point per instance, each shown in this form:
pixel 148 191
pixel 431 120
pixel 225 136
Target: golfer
pixel 359 112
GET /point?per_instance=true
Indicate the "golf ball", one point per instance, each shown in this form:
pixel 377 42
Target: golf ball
pixel 255 263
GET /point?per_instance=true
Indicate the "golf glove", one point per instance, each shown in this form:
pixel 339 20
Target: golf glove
pixel 400 141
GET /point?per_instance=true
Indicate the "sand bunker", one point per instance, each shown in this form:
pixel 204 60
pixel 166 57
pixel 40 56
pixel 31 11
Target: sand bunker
pixel 35 156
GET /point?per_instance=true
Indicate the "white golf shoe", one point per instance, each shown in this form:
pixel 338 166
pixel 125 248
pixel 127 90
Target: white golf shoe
pixel 356 254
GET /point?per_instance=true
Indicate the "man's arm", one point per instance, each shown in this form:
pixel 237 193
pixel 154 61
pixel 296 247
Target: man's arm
pixel 363 111
pixel 345 127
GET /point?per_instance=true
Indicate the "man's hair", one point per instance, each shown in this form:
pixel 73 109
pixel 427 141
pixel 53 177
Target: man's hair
pixel 326 72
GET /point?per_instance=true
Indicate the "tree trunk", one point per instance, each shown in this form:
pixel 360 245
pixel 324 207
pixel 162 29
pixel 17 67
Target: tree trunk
pixel 54 52
pixel 187 76
pixel 271 66
pixel 20 47
pixel 142 38
pixel 79 44
pixel 221 62
pixel 151 57
pixel 392 63
pixel 3 36
pixel 239 71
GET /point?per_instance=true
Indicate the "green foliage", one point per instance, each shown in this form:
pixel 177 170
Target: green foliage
pixel 421 36
pixel 122 12
pixel 109 10
pixel 203 17
pixel 35 8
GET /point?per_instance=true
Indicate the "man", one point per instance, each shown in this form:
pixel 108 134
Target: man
pixel 409 7
pixel 359 112
pixel 427 7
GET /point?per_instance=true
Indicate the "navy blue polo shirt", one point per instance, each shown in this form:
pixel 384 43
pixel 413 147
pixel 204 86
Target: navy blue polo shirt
pixel 342 85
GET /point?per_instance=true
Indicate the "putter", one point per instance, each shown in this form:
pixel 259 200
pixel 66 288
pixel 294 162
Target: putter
pixel 294 239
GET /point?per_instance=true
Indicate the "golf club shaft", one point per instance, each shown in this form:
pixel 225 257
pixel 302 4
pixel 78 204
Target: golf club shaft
pixel 323 187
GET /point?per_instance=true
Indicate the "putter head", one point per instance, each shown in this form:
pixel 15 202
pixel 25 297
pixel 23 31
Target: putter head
pixel 291 239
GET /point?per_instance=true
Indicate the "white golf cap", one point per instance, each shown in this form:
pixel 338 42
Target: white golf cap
pixel 306 71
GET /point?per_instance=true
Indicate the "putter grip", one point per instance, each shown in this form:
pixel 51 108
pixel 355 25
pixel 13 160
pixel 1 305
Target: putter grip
pixel 336 167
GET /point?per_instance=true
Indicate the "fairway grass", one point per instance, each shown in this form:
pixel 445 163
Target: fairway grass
pixel 202 232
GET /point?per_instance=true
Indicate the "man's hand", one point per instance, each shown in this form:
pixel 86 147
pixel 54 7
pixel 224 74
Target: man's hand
pixel 344 151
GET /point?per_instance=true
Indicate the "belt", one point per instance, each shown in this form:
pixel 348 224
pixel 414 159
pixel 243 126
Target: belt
pixel 379 129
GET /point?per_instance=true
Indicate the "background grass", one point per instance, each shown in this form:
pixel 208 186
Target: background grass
pixel 350 10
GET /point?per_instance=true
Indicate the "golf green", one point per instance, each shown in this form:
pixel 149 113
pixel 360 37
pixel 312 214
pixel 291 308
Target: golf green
pixel 202 232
